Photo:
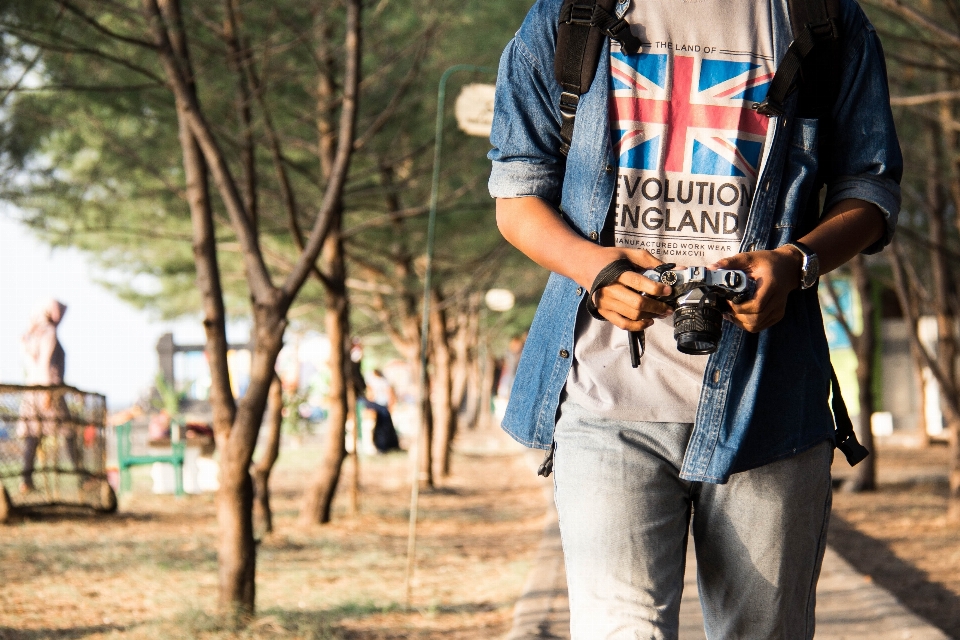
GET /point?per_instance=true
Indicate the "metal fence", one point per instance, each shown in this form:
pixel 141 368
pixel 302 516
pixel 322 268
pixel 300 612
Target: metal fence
pixel 53 447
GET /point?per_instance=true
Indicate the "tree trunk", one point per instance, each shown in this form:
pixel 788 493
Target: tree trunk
pixel 236 427
pixel 237 554
pixel 461 362
pixel 318 499
pixel 865 473
pixel 355 435
pixel 443 413
pixel 471 413
pixel 943 290
pixel 486 388
pixel 923 438
pixel 262 515
pixel 425 440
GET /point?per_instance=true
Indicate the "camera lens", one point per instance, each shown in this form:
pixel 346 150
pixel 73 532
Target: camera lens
pixel 697 329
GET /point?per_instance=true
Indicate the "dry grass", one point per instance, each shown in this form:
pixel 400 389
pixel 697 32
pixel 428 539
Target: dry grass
pixel 899 536
pixel 150 571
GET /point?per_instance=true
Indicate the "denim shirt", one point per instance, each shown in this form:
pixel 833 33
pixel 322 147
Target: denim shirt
pixel 765 395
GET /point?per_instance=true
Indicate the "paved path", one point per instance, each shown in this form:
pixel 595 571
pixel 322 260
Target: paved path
pixel 849 606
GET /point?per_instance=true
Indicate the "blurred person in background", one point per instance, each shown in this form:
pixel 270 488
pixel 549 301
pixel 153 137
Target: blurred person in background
pixel 42 412
pixel 380 399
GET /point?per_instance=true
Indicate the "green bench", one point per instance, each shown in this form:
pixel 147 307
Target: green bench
pixel 126 459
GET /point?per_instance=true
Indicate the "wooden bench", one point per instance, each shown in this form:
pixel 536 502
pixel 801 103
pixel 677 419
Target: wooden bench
pixel 126 459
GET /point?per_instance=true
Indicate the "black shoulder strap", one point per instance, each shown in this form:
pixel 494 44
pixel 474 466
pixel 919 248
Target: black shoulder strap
pixel 583 26
pixel 846 439
pixel 810 58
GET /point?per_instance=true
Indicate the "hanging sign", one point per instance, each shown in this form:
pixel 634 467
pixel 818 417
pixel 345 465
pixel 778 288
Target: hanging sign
pixel 474 109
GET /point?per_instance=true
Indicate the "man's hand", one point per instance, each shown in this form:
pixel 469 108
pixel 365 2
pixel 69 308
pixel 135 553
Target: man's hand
pixel 776 273
pixel 622 303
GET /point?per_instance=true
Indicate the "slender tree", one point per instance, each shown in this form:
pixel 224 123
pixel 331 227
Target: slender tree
pixel 260 471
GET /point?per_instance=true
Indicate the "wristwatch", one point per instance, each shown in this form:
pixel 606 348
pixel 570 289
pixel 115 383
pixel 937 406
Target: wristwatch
pixel 810 267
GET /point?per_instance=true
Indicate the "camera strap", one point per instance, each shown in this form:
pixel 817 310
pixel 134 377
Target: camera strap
pixel 846 438
pixel 609 275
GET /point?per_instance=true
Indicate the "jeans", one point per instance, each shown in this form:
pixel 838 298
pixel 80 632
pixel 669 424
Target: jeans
pixel 624 519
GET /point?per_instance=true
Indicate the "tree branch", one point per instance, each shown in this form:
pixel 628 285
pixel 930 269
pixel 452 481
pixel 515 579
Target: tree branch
pixel 338 175
pixel 947 393
pixel 113 35
pixel 926 98
pixel 261 287
pixel 919 19
pixel 391 108
pixel 32 39
pixel 837 312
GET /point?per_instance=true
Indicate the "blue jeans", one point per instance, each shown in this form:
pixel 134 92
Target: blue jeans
pixel 624 517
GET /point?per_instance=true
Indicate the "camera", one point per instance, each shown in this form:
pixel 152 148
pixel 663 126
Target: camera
pixel 699 297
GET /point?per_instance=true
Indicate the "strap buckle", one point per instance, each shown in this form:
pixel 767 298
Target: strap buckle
pixel 620 31
pixel 825 30
pixel 581 14
pixel 768 108
pixel 569 103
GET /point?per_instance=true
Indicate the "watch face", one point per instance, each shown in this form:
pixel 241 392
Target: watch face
pixel 811 270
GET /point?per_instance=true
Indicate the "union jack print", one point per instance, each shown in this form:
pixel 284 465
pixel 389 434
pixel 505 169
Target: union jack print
pixel 687 114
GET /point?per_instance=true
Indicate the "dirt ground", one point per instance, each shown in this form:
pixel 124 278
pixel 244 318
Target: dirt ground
pixel 898 535
pixel 150 570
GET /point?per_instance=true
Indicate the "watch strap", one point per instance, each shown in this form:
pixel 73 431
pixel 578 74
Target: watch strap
pixel 809 266
pixel 804 249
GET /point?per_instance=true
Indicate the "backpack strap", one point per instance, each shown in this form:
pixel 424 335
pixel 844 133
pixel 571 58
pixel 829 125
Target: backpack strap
pixel 583 27
pixel 816 27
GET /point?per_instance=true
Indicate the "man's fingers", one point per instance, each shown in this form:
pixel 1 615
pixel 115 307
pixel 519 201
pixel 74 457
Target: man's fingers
pixel 755 322
pixel 643 284
pixel 643 258
pixel 621 322
pixel 629 303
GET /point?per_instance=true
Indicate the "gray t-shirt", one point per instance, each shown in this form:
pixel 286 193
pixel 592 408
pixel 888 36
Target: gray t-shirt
pixel 690 150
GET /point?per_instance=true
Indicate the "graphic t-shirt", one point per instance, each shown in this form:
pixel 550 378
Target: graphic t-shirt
pixel 690 149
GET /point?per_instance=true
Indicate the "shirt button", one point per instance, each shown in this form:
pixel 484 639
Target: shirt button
pixel 716 376
pixel 594 235
pixel 579 291
pixel 564 353
pixel 609 168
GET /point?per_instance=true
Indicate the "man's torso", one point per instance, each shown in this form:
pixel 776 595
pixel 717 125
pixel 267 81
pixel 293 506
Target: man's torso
pixel 689 149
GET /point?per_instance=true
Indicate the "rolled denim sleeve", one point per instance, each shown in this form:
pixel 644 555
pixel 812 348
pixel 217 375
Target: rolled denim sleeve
pixel 526 119
pixel 866 159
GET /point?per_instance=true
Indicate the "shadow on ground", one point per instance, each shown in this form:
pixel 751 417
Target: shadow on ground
pixel 6 633
pixel 873 558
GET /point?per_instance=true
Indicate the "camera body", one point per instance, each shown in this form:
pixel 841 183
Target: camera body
pixel 699 297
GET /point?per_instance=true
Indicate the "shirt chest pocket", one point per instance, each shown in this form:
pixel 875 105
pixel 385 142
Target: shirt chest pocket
pixel 798 204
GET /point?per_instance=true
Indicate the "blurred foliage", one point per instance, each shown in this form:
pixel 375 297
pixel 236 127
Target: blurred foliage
pixel 89 150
